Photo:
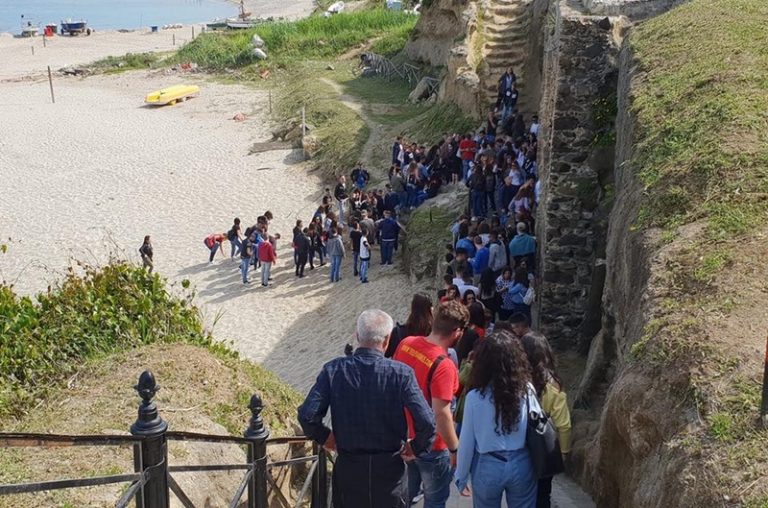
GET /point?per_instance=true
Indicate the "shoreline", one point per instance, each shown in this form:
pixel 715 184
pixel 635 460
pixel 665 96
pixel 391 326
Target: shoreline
pixel 298 9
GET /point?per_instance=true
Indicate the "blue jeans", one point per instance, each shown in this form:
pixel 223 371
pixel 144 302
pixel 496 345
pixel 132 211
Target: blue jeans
pixel 213 250
pixel 506 112
pixel 355 258
pixel 236 243
pixel 265 267
pixel 341 210
pixel 464 169
pixel 245 264
pixel 478 203
pixel 335 268
pixel 387 249
pixel 492 477
pixel 364 269
pixel 434 472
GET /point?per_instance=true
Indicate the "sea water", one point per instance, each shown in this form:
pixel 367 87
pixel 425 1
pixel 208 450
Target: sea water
pixel 111 14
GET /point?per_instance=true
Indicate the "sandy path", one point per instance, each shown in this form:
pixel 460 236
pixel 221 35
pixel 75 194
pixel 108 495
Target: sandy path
pixel 92 174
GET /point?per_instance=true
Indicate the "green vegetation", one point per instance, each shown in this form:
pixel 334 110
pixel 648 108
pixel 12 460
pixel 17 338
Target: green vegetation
pixel 127 62
pixel 428 231
pixel 439 119
pixel 111 309
pixel 393 42
pixel 339 132
pixel 699 100
pixel 704 153
pixel 286 43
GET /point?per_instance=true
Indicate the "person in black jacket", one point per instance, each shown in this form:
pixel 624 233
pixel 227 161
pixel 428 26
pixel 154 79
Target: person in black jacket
pixel 146 254
pixel 303 245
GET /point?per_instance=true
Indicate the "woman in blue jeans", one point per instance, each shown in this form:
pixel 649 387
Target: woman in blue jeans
pixel 492 452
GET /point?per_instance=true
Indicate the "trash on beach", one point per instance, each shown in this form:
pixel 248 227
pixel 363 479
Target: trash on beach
pixel 256 41
pixel 259 53
pixel 334 8
pixel 239 117
pixel 264 74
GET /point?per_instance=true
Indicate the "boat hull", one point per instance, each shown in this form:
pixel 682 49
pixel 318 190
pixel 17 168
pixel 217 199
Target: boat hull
pixel 172 95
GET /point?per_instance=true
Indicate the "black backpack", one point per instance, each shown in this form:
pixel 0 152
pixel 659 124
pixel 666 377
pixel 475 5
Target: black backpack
pixel 399 332
pixel 231 234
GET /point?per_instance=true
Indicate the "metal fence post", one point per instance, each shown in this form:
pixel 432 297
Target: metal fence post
pixel 320 480
pixel 154 450
pixel 258 433
pixel 764 402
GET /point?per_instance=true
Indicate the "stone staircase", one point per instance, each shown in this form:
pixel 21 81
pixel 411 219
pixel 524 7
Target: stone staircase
pixel 505 29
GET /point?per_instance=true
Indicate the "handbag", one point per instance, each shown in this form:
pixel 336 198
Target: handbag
pixel 541 441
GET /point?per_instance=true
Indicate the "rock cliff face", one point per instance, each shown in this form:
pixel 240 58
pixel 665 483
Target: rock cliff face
pixel 476 41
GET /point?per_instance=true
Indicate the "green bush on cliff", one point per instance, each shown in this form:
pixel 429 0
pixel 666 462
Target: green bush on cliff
pixel 114 308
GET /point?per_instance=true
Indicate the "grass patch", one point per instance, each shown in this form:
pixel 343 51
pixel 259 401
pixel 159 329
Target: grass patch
pixel 394 41
pixel 127 62
pixel 428 230
pixel 442 118
pixel 704 134
pixel 339 131
pixel 113 308
pixel 289 42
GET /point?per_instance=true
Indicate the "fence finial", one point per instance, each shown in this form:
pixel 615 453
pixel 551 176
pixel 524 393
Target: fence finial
pixel 256 428
pixel 148 421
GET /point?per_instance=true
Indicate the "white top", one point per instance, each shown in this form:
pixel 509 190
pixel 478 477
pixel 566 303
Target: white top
pixel 534 129
pixel 365 248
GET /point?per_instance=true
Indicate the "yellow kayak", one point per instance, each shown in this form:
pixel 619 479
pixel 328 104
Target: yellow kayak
pixel 172 95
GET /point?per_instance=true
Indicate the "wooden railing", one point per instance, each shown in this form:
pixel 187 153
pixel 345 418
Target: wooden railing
pixel 152 483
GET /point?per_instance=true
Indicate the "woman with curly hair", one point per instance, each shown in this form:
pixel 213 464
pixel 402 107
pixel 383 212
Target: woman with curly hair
pixel 549 389
pixel 492 443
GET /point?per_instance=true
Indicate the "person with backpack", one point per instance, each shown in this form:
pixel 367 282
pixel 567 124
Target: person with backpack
pixel 213 242
pixel 549 390
pixel 146 254
pixel 246 251
pixel 235 240
pixel 419 322
pixel 439 381
pixel 492 448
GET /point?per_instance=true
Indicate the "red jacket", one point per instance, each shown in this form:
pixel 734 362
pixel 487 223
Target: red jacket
pixel 267 252
pixel 467 147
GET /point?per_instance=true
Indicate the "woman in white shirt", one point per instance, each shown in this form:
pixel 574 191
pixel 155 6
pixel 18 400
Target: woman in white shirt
pixel 492 450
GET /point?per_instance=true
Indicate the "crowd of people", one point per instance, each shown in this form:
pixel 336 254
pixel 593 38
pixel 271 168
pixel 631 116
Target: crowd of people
pixel 437 401
pixel 446 397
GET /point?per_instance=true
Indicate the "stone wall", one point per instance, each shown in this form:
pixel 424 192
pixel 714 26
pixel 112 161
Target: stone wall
pixel 580 75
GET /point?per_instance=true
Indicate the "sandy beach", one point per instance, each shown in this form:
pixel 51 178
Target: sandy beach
pixel 86 178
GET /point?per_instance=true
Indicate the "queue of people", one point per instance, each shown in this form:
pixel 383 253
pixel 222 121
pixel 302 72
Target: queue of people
pixel 448 403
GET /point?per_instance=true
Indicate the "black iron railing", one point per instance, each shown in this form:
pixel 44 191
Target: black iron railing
pixel 152 483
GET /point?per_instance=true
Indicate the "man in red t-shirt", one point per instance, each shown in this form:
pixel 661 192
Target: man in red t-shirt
pixel 267 257
pixel 438 379
pixel 467 150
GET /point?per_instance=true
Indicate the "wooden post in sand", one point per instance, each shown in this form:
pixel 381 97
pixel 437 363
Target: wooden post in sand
pixel 174 39
pixel 270 102
pixel 193 31
pixel 44 43
pixel 33 51
pixel 50 83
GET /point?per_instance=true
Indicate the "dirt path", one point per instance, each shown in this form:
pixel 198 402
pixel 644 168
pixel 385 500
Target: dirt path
pixel 376 130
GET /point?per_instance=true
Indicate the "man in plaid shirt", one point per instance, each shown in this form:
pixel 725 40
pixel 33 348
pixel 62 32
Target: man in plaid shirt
pixel 368 395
